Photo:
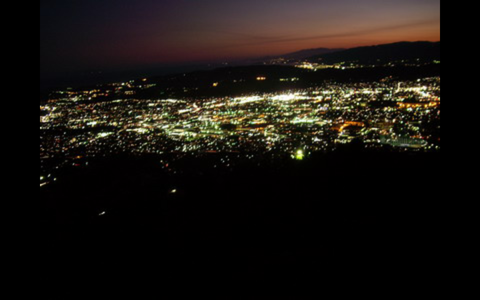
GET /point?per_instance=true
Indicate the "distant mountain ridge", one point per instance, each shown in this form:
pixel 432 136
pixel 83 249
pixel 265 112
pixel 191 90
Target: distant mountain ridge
pixel 423 51
pixel 428 51
pixel 302 54
pixel 293 56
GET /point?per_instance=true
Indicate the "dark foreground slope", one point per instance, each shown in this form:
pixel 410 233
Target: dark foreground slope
pixel 328 216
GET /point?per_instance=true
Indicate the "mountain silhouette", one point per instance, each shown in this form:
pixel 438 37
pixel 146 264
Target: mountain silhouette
pixel 303 54
pixel 410 51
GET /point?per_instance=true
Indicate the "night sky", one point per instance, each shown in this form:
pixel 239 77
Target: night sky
pixel 78 35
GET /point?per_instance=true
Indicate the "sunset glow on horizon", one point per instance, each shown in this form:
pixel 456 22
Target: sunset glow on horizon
pixel 120 34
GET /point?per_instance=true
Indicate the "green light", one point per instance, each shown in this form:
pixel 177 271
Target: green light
pixel 299 155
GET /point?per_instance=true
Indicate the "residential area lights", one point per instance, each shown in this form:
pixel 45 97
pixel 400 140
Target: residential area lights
pixel 400 114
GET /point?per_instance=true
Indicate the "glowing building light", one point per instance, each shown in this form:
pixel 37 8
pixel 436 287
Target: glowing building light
pixel 300 155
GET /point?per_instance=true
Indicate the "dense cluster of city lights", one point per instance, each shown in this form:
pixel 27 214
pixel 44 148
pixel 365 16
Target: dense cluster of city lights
pixel 294 122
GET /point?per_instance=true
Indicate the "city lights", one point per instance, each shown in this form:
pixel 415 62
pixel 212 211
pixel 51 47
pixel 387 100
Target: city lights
pixel 299 155
pixel 389 113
